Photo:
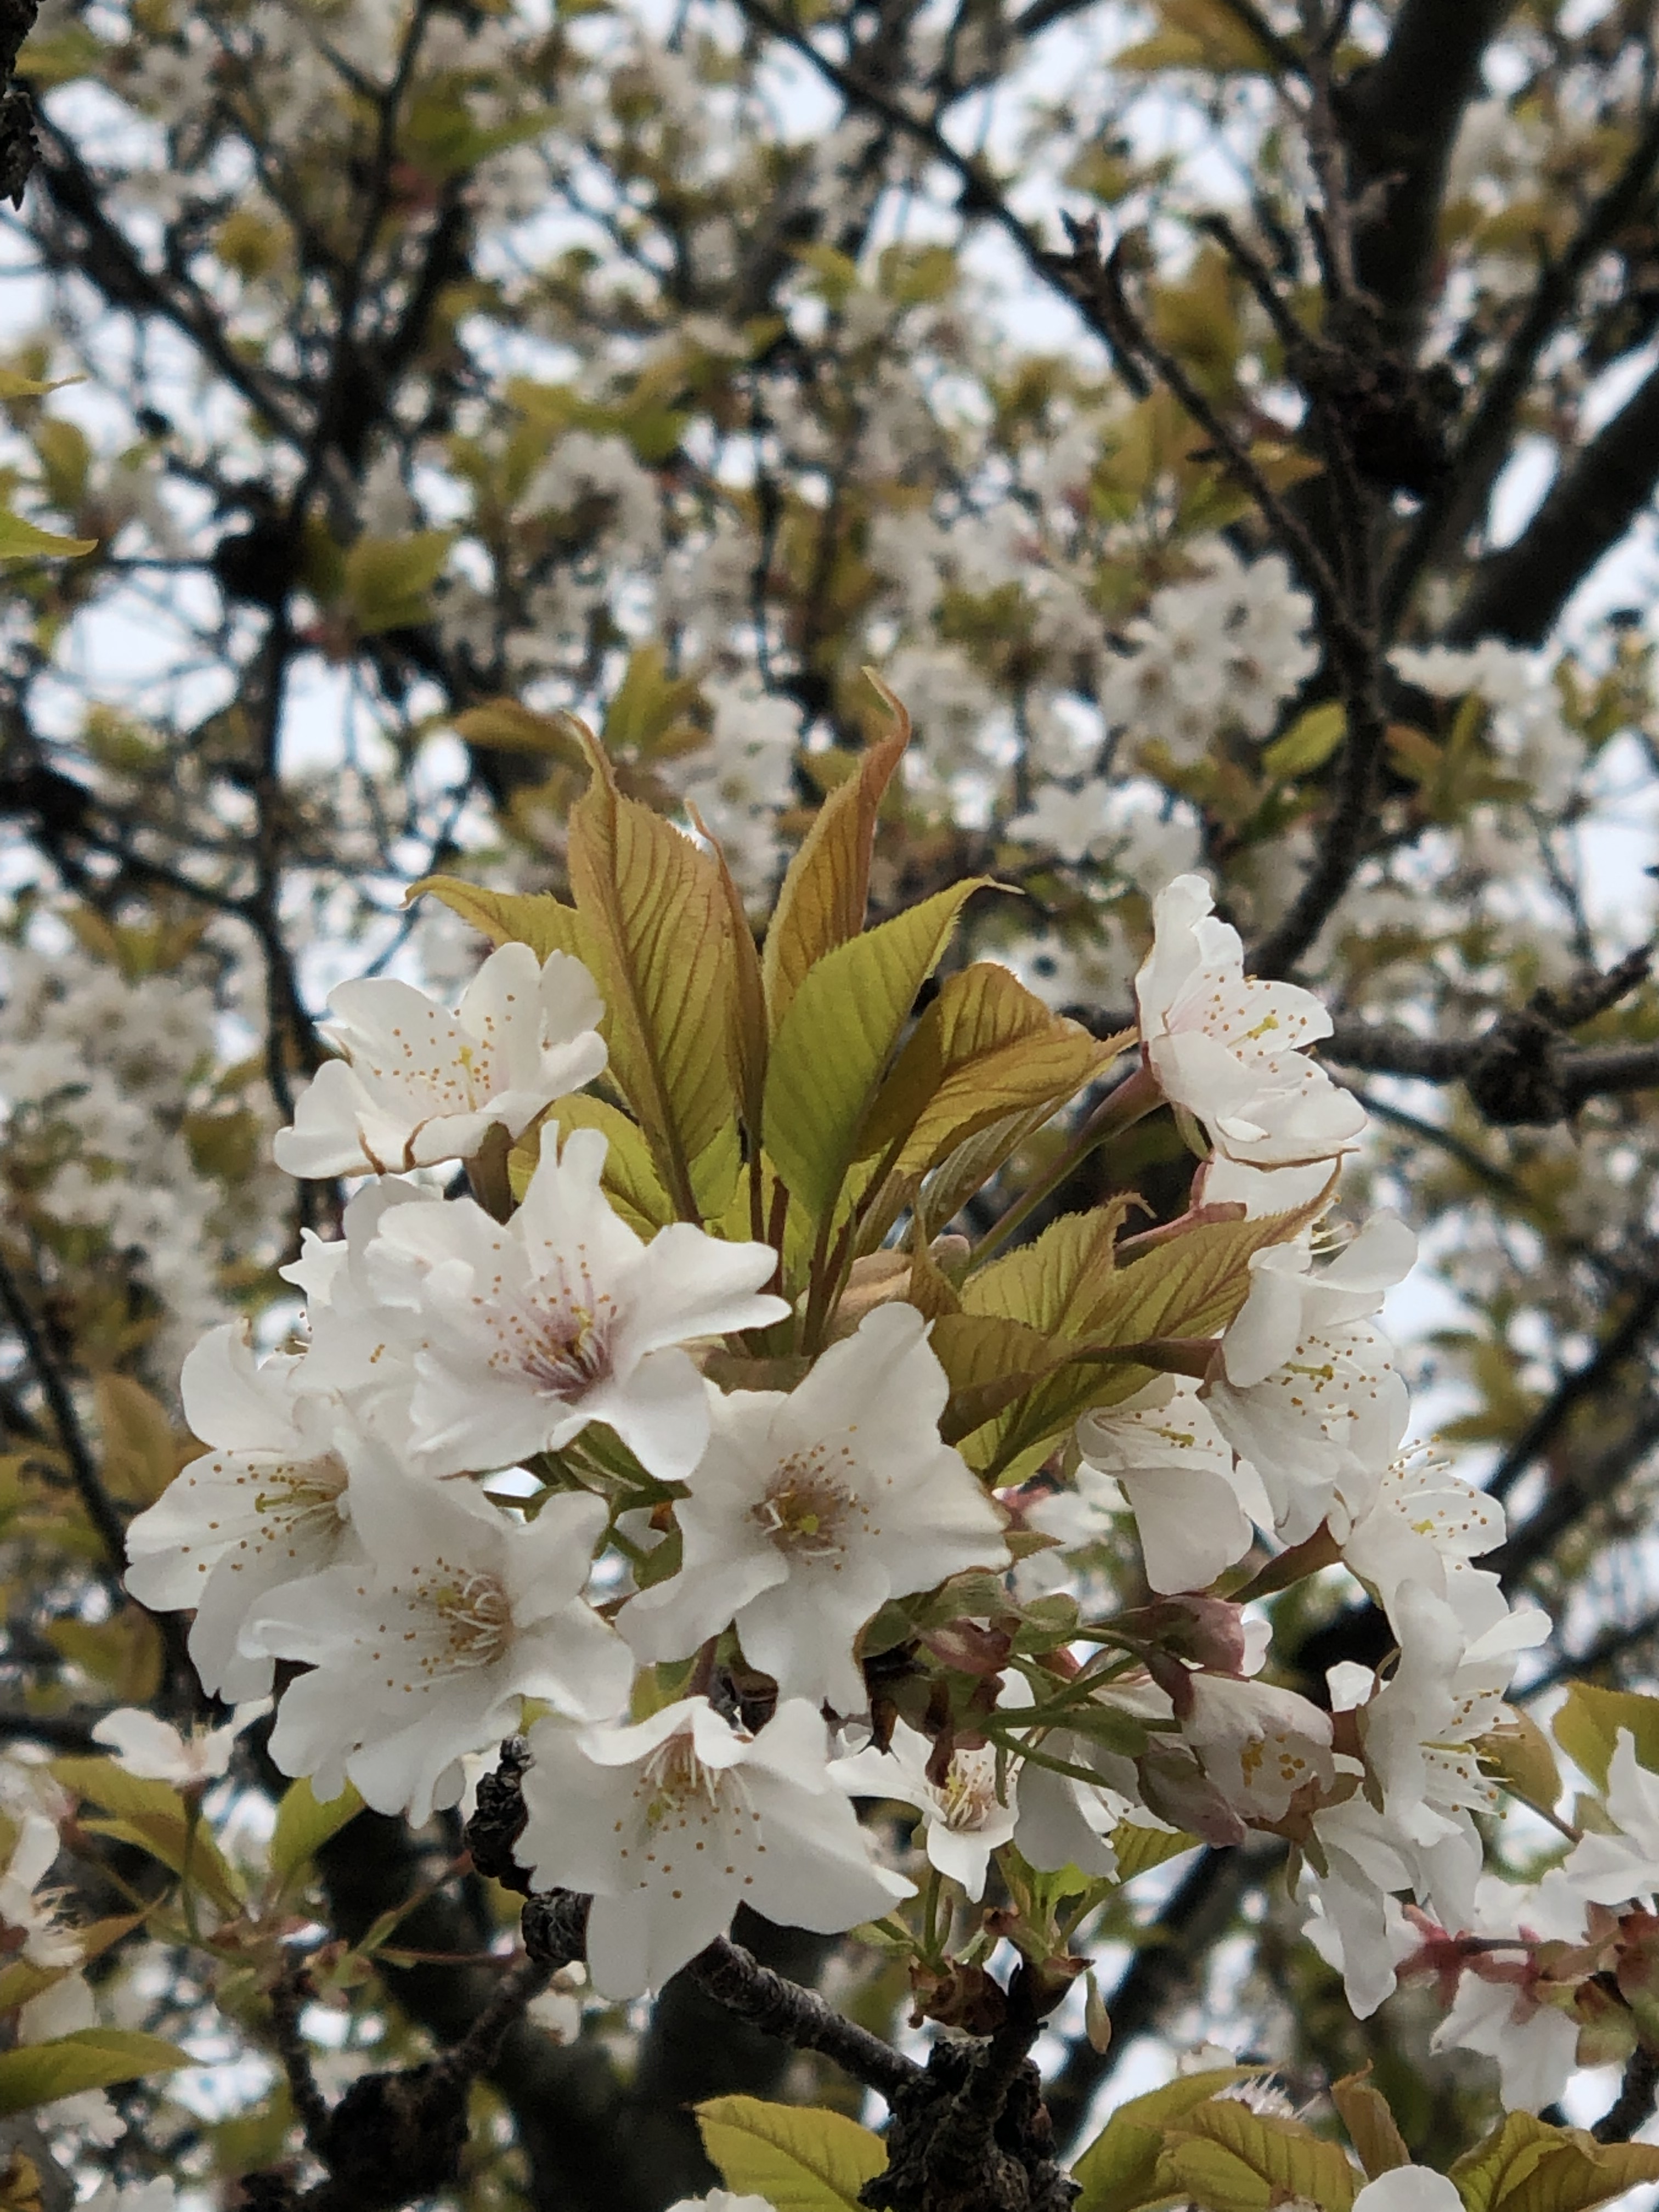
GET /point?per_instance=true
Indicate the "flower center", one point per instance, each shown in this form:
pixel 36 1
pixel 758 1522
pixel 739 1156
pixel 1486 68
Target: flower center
pixel 808 1508
pixel 674 1774
pixel 557 1335
pixel 968 1797
pixel 292 1492
pixel 476 1622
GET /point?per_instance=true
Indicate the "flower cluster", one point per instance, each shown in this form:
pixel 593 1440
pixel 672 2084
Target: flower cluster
pixel 748 1592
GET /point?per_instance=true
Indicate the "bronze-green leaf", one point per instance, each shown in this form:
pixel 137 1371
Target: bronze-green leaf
pixel 822 900
pixel 834 1044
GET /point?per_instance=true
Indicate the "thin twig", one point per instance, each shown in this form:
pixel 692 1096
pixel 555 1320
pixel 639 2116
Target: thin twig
pixel 289 1995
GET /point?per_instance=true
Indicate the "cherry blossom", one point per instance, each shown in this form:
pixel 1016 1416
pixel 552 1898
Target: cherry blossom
pixel 672 1822
pixel 1193 1506
pixel 1610 1869
pixel 809 1509
pixel 1409 2189
pixel 1230 1050
pixel 415 1084
pixel 1306 1388
pixel 266 1505
pixel 1260 1745
pixel 1051 1819
pixel 423 1650
pixel 561 1316
pixel 1425 1525
pixel 152 1748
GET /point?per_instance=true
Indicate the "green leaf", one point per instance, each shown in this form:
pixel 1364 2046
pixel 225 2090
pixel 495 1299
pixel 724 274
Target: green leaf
pixel 1278 2157
pixel 653 909
pixel 386 580
pixel 985 1047
pixel 1202 34
pixel 1191 1286
pixel 822 900
pixel 304 1825
pixel 1118 2170
pixel 27 541
pixel 630 1180
pixel 1373 2128
pixel 534 918
pixel 1587 1722
pixel 1139 1849
pixel 503 725
pixel 834 1044
pixel 153 1816
pixel 140 1451
pixel 1309 741
pixel 990 1361
pixel 799 2157
pixel 1525 2165
pixel 91 2058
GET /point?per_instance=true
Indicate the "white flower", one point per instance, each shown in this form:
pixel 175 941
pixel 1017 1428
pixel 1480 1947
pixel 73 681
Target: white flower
pixel 1423 1526
pixel 153 1749
pixel 1409 2189
pixel 67 2008
pixel 265 1505
pixel 21 1912
pixel 415 1084
pixel 423 1650
pixel 722 2200
pixel 1075 825
pixel 1288 1302
pixel 672 1823
pixel 1611 1869
pixel 152 2197
pixel 1536 2045
pixel 808 1511
pixel 1229 1049
pixel 1307 1389
pixel 561 1316
pixel 1193 1507
pixel 964 1817
pixel 1419 1731
pixel 1258 1745
pixel 1051 1819
pixel 362 1350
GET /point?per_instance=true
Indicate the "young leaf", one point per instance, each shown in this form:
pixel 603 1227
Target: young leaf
pixel 630 1180
pixel 303 1826
pixel 834 1044
pixel 1587 1722
pixel 1286 2158
pixel 990 1360
pixel 503 725
pixel 141 1454
pixel 823 894
pixel 91 2058
pixel 799 2157
pixel 1525 2165
pixel 1118 2170
pixel 153 1815
pixel 1373 2128
pixel 985 1047
pixel 535 919
pixel 653 909
pixel 387 580
pixel 27 541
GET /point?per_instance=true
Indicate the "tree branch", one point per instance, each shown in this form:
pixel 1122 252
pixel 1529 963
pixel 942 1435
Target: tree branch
pixel 1484 448
pixel 1518 593
pixel 1399 118
pixel 734 1978
pixel 1633 2106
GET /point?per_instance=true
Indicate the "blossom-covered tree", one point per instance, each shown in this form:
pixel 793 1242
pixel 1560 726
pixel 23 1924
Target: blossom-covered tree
pixel 827 878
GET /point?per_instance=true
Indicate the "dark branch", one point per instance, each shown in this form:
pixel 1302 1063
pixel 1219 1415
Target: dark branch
pixel 1518 593
pixel 1399 118
pixel 736 1979
pixel 1484 445
pixel 1633 2106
